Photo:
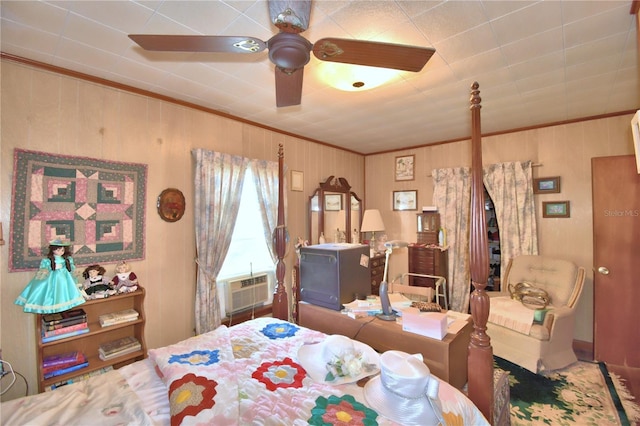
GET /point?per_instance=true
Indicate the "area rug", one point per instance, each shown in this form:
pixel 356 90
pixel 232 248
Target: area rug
pixel 582 394
pixel 99 205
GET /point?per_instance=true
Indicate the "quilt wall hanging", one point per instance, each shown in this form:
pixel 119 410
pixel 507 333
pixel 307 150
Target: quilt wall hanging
pixel 98 205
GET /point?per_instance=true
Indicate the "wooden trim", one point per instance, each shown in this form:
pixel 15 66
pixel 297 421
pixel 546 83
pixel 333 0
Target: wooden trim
pixel 246 315
pixel 584 350
pixel 515 130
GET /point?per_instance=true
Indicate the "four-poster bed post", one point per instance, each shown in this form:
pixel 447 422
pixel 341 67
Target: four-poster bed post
pixel 280 307
pixel 480 357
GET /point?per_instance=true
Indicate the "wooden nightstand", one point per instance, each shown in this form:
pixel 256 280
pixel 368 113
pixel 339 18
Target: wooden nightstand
pixel 376 266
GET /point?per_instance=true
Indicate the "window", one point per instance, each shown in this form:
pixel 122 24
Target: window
pixel 248 253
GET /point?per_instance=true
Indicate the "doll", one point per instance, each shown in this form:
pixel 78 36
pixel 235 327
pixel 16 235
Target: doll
pixel 54 288
pixel 125 281
pixel 96 285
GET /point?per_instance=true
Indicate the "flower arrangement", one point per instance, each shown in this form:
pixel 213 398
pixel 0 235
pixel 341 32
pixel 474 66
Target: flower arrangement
pixel 349 364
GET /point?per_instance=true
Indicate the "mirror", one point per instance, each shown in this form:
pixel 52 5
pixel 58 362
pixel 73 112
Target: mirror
pixel 335 212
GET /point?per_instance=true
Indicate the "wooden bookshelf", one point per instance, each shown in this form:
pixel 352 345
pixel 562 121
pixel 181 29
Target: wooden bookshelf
pixel 90 342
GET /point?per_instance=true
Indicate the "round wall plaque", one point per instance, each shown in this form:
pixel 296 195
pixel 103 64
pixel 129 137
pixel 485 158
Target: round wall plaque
pixel 171 204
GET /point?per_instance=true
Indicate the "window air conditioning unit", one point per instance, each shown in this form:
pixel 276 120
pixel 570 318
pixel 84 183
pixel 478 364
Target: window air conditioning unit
pixel 246 292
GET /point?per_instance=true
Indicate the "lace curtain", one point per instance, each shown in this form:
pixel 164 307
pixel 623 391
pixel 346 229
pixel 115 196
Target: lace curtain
pixel 218 189
pixel 265 174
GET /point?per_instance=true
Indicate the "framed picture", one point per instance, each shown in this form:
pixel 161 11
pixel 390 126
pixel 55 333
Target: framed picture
pixel 332 202
pixel 297 181
pixel 405 200
pixel 555 209
pixel 547 185
pixel 404 167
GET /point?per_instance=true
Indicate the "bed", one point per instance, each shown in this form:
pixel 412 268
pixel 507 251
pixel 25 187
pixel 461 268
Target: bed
pixel 251 373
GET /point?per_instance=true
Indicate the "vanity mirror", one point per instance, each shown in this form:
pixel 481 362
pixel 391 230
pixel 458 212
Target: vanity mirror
pixel 335 212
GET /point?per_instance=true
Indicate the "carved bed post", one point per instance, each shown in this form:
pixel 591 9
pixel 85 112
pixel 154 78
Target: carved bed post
pixel 480 361
pixel 280 304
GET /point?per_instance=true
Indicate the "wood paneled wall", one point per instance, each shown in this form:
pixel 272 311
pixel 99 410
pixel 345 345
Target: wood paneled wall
pixel 46 111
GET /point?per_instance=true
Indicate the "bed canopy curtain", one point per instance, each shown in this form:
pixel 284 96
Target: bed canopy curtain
pixel 218 189
pixel 452 197
pixel 510 186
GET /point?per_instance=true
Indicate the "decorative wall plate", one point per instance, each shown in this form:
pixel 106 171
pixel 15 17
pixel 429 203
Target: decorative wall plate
pixel 171 204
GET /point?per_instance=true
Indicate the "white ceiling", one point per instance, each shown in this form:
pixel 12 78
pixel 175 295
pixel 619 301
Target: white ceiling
pixel 536 62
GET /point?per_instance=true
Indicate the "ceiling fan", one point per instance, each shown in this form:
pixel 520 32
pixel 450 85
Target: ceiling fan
pixel 290 52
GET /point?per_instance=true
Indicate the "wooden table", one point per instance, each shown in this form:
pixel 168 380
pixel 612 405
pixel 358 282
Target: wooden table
pixel 446 358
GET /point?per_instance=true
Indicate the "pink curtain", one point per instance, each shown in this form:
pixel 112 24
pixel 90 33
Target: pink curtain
pixel 218 190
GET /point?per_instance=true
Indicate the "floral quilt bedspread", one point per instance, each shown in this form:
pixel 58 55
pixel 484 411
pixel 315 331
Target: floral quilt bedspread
pixel 250 374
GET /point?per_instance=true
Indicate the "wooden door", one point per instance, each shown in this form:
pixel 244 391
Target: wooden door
pixel 616 259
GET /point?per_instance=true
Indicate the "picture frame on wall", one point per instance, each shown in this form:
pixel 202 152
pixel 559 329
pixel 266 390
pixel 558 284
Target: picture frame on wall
pixel 556 209
pixel 332 202
pixel 546 185
pixel 297 181
pixel 404 167
pixel 405 200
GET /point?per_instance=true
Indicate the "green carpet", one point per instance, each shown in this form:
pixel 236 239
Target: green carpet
pixel 582 394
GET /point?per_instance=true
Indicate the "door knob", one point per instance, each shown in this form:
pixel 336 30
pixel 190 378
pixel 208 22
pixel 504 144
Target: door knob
pixel 603 270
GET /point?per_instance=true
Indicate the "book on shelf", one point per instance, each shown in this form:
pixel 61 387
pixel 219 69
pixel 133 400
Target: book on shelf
pixel 62 371
pixel 50 369
pixel 119 317
pixel 64 336
pixel 66 316
pixel 59 359
pixel 119 353
pixel 67 360
pixel 79 378
pixel 118 345
pixel 65 330
pixel 73 321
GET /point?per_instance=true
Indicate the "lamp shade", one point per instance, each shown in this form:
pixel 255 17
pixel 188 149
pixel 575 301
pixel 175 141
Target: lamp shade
pixel 372 221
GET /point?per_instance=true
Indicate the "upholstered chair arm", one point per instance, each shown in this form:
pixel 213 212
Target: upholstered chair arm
pixel 559 321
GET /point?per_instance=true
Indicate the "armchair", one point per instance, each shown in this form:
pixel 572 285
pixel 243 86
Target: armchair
pixel 548 345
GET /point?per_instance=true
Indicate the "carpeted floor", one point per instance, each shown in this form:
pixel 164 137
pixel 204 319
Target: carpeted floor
pixel 584 393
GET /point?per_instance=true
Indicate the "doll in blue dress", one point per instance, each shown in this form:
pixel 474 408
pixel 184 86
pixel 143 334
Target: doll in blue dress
pixel 54 288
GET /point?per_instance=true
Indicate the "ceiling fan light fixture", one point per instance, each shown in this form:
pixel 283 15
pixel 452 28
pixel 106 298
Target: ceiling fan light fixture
pixel 354 78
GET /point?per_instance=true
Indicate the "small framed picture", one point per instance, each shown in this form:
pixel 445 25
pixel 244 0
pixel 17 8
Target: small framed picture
pixel 332 202
pixel 297 181
pixel 404 167
pixel 547 185
pixel 405 200
pixel 555 209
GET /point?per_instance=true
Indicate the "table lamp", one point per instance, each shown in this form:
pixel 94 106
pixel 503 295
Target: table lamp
pixel 387 313
pixel 372 222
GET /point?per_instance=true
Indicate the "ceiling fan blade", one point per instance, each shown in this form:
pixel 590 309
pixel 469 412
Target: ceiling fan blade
pixel 290 16
pixel 199 43
pixel 288 87
pixel 372 53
